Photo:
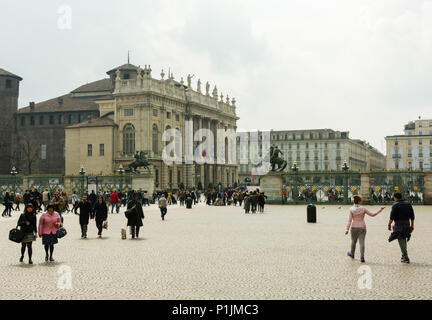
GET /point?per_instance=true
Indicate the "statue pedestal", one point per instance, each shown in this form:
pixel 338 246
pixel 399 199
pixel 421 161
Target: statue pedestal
pixel 271 185
pixel 143 180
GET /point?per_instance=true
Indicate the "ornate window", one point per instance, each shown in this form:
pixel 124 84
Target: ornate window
pixel 128 139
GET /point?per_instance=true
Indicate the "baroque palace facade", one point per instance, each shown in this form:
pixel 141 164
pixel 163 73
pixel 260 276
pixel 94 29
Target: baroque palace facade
pixel 133 118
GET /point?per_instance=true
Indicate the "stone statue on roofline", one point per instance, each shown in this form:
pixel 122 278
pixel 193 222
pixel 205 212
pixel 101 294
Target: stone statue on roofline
pixel 189 81
pixel 207 88
pixel 199 85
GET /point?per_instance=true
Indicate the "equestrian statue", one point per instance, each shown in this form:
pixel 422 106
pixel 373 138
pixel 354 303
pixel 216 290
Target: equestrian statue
pixel 276 160
pixel 139 162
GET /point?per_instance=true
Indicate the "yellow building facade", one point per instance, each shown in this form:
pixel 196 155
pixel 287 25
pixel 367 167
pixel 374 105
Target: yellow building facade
pixel 413 149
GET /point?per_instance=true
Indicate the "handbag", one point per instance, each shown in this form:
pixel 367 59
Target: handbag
pixel 16 235
pixel 61 232
pixel 105 225
pixel 129 212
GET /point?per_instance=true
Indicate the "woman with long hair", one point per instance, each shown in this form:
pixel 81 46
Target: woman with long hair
pixel 101 213
pixel 358 227
pixel 27 223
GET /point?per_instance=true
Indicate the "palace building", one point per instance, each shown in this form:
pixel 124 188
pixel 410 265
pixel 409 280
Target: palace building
pixel 133 117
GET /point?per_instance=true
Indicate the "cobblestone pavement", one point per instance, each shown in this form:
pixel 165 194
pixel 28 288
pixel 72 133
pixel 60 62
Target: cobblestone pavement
pixel 222 253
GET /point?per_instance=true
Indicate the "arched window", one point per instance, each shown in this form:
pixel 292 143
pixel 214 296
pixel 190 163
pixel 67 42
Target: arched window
pixel 155 139
pixel 129 139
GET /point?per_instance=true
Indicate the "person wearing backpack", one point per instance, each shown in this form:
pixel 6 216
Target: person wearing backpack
pixel 27 224
pixel 163 206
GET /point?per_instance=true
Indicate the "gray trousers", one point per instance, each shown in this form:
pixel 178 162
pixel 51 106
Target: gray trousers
pixel 403 247
pixel 360 235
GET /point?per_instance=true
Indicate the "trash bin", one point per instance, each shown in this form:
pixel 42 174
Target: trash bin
pixel 188 203
pixel 311 213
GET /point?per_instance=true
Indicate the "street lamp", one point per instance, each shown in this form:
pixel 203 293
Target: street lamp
pixel 82 173
pixel 14 172
pixel 121 171
pixel 294 168
pixel 345 169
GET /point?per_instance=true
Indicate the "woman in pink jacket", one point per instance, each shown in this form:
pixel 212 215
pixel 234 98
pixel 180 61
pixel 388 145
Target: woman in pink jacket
pixel 49 222
pixel 358 226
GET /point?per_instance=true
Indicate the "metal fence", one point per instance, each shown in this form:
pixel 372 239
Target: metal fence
pixel 320 187
pixel 384 184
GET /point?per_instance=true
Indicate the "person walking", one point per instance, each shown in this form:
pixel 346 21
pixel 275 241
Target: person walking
pixel 163 206
pixel 74 200
pixel 59 203
pixel 135 219
pixel 115 201
pixel 401 213
pixel 101 214
pixel 27 223
pixel 85 211
pixel 358 227
pixel 49 223
pixel 45 198
pixel 18 199
pixel 247 203
pixel 8 203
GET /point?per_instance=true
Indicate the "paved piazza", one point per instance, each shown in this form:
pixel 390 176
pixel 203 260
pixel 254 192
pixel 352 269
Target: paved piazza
pixel 221 253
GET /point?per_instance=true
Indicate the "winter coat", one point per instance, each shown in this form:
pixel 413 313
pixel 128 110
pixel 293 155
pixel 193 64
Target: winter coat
pixel 101 211
pixel 136 218
pixel 114 197
pixel 85 211
pixel 30 218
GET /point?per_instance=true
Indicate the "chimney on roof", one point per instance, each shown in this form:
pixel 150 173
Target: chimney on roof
pixel 60 101
pixel 32 106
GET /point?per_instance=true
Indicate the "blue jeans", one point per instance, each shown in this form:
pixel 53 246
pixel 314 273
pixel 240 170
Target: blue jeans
pixel 116 205
pixel 163 212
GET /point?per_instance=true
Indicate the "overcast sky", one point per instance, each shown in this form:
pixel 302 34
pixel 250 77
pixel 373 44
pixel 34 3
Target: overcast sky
pixel 360 66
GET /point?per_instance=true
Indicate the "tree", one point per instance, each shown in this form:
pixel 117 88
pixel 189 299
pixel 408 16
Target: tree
pixel 26 151
pixel 200 186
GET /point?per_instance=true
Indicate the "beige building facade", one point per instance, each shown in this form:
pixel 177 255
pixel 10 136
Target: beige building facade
pixel 317 150
pixel 134 118
pixel 413 149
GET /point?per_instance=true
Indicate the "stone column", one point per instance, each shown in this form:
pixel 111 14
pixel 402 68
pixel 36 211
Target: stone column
pixel 67 183
pixel 161 145
pixel 427 188
pixel 365 187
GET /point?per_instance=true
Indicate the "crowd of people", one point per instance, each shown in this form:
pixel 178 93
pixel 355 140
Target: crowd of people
pixel 97 207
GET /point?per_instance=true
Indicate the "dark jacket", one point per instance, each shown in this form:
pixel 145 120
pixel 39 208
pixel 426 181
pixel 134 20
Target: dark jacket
pixel 101 211
pixel 92 197
pixel 402 211
pixel 136 218
pixel 30 218
pixel 85 211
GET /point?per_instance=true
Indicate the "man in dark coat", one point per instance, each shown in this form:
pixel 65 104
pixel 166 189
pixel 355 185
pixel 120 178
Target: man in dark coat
pixel 101 214
pixel 92 198
pixel 402 213
pixel 85 211
pixel 135 217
